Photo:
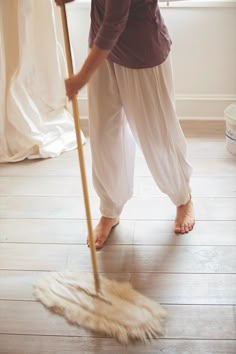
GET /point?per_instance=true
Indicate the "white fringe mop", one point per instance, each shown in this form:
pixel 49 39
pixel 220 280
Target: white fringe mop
pixel 118 311
pixel 102 305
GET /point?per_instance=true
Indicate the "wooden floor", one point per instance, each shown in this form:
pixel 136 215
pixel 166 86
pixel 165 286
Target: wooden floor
pixel 42 228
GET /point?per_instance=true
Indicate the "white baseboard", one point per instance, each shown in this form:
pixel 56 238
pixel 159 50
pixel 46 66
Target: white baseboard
pixel 191 127
pixel 203 106
pixel 199 115
pixel 197 106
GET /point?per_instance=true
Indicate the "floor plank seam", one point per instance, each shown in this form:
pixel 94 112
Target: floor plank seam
pixel 169 304
pixel 110 272
pixel 116 245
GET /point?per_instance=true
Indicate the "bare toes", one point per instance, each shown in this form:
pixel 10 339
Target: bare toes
pixel 102 230
pixel 186 229
pixel 184 221
pixel 177 229
pixel 99 244
pixel 190 226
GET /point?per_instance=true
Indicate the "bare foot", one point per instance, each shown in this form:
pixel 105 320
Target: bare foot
pixel 184 221
pixel 103 229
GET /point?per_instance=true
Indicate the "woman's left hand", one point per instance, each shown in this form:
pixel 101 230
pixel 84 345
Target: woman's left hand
pixel 74 84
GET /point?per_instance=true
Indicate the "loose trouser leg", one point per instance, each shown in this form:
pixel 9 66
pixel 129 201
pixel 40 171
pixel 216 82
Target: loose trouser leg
pixel 148 99
pixel 112 145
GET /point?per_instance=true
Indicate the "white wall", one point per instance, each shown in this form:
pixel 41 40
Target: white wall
pixel 203 53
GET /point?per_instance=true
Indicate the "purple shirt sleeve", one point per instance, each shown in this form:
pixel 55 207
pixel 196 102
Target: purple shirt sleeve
pixel 113 24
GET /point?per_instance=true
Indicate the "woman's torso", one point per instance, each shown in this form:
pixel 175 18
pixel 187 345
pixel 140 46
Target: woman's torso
pixel 145 41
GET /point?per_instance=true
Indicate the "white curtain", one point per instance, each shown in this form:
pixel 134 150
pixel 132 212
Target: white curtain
pixel 34 118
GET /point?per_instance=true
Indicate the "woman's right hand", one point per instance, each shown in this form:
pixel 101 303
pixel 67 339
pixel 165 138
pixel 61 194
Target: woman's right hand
pixel 62 2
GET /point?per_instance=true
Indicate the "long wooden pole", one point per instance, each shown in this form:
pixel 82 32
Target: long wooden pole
pixel 80 152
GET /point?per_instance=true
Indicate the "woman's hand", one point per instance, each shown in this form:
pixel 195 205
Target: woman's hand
pixel 62 2
pixel 74 84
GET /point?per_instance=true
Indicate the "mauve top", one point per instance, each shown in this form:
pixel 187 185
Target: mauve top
pixel 134 30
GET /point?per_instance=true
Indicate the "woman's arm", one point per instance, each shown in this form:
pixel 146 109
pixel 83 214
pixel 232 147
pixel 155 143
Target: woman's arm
pixel 94 59
pixel 114 22
pixel 116 15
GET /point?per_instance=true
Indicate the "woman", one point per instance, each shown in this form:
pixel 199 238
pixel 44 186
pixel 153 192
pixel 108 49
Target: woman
pixel 131 91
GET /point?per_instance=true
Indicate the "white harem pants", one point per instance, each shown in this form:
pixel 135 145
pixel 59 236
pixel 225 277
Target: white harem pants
pixel 135 103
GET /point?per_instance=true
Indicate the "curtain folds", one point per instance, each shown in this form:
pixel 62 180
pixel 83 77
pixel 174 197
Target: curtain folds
pixel 34 118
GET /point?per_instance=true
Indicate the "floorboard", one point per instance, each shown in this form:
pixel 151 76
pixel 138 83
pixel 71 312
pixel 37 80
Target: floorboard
pixel 168 288
pixel 120 258
pixel 29 344
pixel 184 321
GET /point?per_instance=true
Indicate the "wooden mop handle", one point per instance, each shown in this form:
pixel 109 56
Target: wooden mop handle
pixel 80 151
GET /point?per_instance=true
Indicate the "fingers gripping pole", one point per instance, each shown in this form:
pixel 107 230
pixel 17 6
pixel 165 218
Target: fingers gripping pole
pixel 80 151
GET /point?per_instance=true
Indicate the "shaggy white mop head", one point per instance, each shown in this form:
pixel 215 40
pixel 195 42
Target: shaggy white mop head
pixel 119 311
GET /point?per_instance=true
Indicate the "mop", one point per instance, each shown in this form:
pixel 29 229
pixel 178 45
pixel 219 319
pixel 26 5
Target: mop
pixel 89 300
